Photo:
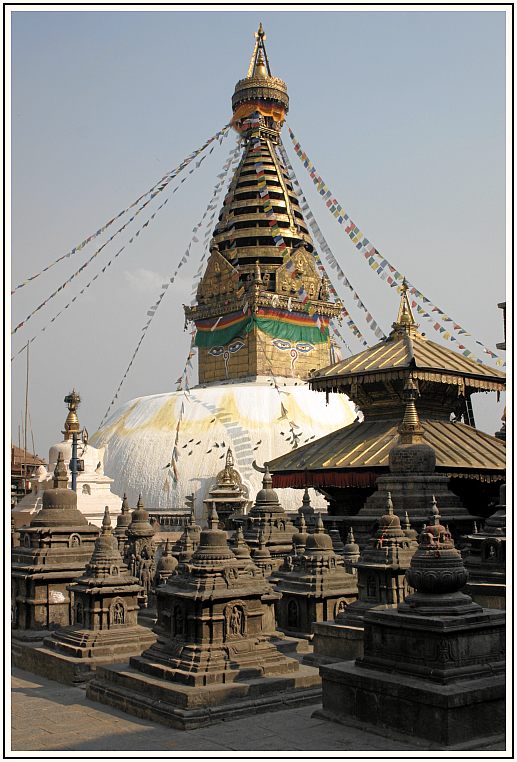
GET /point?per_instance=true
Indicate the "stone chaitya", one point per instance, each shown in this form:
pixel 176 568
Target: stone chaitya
pixel 314 585
pixel 140 551
pixel 228 495
pixel 54 549
pixel 486 559
pixel 105 628
pixel 123 522
pixel 214 646
pixel 351 552
pixel 167 565
pixel 269 517
pixel 381 580
pixel 433 667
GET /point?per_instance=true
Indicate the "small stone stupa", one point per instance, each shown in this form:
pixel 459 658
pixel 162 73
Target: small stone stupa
pixel 435 666
pixel 486 559
pixel 228 495
pixel 268 516
pixel 123 522
pixel 413 481
pixel 351 553
pixel 54 549
pixel 214 651
pixel 166 566
pixel 105 628
pixel 140 551
pixel 381 579
pixel 314 585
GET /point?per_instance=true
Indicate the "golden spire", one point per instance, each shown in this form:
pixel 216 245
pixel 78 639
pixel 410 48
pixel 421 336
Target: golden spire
pixel 405 319
pixel 72 421
pixel 410 429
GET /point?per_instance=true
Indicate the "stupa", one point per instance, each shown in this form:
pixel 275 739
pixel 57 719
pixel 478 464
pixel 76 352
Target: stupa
pixel 381 580
pixel 54 549
pixel 214 654
pixel 262 316
pixel 123 522
pixel 140 551
pixel 93 486
pixel 486 559
pixel 314 585
pixel 105 628
pixel 269 518
pixel 227 495
pixel 434 667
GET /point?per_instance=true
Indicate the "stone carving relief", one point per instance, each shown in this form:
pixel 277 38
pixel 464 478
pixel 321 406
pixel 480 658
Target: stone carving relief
pixel 235 621
pixel 118 613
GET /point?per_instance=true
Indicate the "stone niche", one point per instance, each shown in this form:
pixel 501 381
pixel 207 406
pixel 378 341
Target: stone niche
pixel 434 666
pixel 214 656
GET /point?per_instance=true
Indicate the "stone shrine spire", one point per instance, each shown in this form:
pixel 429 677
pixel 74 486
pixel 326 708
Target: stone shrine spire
pixel 261 306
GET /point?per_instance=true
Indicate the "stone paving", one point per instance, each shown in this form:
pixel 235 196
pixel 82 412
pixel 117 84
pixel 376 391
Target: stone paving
pixel 48 716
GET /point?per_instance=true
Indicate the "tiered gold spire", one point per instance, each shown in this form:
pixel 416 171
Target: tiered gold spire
pixel 405 319
pixel 410 429
pixel 72 421
pixel 261 261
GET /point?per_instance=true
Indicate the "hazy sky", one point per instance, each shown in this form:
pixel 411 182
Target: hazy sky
pixel 403 114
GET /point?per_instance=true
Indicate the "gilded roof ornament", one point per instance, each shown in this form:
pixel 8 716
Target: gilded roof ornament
pixel 72 421
pixel 405 319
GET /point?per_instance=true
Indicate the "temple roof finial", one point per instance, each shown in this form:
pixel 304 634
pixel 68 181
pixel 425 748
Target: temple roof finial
pixel 405 319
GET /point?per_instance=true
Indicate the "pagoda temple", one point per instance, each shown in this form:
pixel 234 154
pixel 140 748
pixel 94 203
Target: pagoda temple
pixel 346 464
pixel 262 315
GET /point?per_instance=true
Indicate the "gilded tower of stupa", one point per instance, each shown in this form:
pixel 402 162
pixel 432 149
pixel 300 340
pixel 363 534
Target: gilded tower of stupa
pixel 261 314
pixel 261 305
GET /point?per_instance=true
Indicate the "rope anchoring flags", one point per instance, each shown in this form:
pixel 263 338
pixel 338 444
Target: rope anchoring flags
pixel 382 267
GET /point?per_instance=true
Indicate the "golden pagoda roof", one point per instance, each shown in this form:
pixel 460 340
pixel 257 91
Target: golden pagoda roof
pixel 405 349
pixel 460 450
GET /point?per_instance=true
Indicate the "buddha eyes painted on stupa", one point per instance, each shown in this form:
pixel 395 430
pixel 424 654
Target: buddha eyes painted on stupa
pixel 300 346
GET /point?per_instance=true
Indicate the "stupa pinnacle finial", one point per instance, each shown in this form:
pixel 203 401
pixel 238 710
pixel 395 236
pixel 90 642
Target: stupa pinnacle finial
pixel 389 504
pixel 213 519
pixel 405 319
pixel 72 421
pixel 410 429
pixel 60 473
pixel 106 521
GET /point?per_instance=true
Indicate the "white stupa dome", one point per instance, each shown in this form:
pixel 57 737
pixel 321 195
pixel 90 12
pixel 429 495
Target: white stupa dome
pixel 246 416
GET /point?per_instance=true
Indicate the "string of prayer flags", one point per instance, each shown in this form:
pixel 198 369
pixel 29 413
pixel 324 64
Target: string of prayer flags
pixel 320 238
pixel 93 256
pixel 379 264
pixel 152 192
pixel 153 309
pixel 87 286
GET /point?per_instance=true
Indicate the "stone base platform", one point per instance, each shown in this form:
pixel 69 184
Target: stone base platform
pixel 74 659
pixel 290 646
pixel 334 642
pixel 187 707
pixel 490 595
pixel 448 715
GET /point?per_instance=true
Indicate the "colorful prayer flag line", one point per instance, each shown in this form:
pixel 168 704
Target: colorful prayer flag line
pixel 364 245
